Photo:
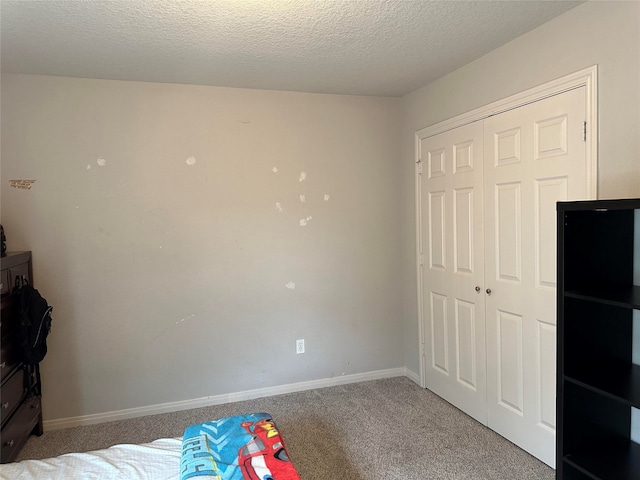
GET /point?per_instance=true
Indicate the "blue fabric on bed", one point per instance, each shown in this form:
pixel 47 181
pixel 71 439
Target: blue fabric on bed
pixel 235 448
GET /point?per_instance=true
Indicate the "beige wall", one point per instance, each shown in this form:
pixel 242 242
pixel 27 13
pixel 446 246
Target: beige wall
pixel 169 280
pixel 606 34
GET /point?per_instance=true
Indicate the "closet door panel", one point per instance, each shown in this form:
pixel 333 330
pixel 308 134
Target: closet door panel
pixel 508 228
pixel 509 361
pixel 547 192
pixel 451 187
pixel 437 227
pixel 465 316
pixel 439 333
pixel 534 156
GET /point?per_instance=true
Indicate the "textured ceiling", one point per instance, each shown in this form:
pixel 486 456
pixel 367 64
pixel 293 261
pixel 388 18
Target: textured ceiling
pixel 362 47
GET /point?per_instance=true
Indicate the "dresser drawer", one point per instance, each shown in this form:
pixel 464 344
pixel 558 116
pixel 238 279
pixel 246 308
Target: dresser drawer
pixel 12 392
pixel 16 432
pixel 8 360
pixel 9 318
pixel 4 282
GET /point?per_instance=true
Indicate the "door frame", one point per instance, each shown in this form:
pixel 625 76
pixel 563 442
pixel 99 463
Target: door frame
pixel 587 78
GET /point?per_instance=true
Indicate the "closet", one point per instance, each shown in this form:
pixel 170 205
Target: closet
pixel 486 199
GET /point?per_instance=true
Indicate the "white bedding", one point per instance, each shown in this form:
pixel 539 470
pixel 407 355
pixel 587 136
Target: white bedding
pixel 158 460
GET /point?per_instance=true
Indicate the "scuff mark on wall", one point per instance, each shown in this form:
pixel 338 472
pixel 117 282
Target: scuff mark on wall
pixel 326 197
pixel 279 207
pixel 302 177
pixel 274 169
pixel 191 161
pixel 185 318
pixel 163 332
pixel 290 285
pixel 23 184
pixel 101 161
pixel 304 221
pixel 303 199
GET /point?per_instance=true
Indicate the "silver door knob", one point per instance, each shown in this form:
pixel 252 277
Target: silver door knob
pixel 488 290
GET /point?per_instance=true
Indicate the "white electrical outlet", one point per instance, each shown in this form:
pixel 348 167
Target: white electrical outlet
pixel 300 346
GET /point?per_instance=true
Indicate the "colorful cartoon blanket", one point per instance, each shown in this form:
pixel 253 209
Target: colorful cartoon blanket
pixel 244 447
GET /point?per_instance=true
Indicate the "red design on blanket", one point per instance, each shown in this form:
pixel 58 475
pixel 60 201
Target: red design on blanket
pixel 264 457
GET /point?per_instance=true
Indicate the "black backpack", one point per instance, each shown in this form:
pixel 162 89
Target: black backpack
pixel 35 324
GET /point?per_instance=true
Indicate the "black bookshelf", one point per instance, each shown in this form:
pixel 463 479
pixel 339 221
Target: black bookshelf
pixel 624 296
pixel 611 460
pixel 597 383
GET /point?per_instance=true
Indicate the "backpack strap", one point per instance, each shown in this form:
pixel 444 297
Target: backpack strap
pixel 21 281
pixel 32 381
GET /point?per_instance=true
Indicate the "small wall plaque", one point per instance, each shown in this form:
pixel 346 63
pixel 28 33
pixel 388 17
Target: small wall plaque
pixel 21 183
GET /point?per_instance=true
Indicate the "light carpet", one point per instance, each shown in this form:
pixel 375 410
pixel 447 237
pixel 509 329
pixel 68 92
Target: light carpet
pixel 382 429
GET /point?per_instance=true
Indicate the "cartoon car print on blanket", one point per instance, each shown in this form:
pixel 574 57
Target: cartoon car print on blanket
pixel 242 447
pixel 264 457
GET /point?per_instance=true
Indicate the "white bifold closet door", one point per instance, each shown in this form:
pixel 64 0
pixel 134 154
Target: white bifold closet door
pixel 453 268
pixel 488 194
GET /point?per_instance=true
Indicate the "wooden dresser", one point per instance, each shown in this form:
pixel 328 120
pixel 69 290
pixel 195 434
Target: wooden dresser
pixel 20 390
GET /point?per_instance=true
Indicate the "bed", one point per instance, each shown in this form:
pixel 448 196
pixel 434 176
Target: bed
pixel 242 447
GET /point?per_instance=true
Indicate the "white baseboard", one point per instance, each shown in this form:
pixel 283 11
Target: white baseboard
pixel 413 376
pixel 93 419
